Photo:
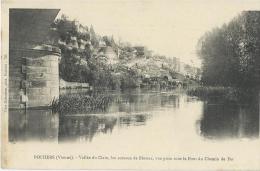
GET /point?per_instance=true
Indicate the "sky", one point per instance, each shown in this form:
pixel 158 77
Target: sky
pixel 168 27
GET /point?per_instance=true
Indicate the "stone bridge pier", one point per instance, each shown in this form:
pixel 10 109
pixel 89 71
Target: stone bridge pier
pixel 33 64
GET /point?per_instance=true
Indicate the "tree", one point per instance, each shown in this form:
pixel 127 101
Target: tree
pixel 230 54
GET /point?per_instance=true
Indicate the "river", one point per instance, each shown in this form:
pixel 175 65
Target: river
pixel 140 116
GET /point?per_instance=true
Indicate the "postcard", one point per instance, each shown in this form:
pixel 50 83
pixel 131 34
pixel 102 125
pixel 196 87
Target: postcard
pixel 130 84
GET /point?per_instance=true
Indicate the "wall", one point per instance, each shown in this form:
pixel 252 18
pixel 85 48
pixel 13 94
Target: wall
pixel 36 73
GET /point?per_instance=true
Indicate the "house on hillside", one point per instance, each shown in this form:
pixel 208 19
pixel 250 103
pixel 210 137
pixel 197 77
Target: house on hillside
pixel 111 55
pixel 175 64
pixel 188 70
pixel 108 54
pixel 80 28
pixel 139 51
pixel 101 44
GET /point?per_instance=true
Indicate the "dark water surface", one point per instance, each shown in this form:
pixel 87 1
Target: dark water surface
pixel 170 115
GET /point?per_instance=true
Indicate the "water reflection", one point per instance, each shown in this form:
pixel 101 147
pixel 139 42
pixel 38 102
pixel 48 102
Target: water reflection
pixel 85 128
pixel 142 101
pixel 33 125
pixel 173 115
pixel 230 121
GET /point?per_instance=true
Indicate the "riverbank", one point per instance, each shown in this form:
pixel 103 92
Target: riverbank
pixel 99 101
pixel 225 94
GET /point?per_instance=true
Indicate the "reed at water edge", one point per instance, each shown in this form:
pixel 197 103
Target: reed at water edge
pixel 80 103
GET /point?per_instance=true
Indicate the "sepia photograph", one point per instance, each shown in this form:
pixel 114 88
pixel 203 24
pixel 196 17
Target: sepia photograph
pixel 161 85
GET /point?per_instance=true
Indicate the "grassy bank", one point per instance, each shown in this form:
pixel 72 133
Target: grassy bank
pixel 80 103
pixel 224 94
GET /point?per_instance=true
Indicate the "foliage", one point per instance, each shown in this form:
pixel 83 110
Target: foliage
pixel 224 94
pixel 209 91
pixel 231 54
pixel 94 37
pixel 129 80
pixel 94 71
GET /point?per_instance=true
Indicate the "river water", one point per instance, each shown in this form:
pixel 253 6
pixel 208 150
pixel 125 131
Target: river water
pixel 140 116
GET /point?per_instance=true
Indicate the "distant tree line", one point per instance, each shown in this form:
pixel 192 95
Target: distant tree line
pixel 231 54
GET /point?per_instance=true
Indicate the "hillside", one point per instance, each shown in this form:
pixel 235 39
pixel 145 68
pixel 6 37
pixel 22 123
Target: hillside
pixel 98 60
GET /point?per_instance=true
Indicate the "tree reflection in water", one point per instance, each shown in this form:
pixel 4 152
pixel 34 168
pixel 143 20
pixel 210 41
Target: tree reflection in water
pixel 168 111
pixel 33 125
pixel 85 128
pixel 230 121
